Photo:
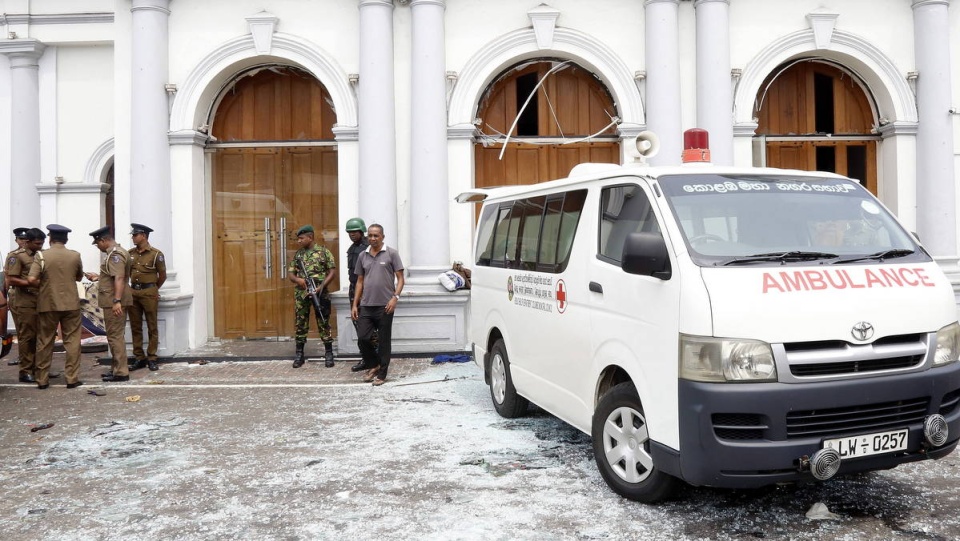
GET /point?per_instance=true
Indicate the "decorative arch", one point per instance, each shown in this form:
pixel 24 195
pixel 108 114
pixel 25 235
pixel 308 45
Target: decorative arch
pixel 521 45
pixel 197 94
pixel 99 163
pixel 894 98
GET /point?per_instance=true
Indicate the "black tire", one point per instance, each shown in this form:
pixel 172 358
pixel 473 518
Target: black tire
pixel 505 398
pixel 623 456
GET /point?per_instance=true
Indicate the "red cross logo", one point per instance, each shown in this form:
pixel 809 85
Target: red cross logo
pixel 561 296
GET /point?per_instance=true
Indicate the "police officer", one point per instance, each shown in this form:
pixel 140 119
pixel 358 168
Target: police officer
pixel 320 266
pixel 56 271
pixel 113 296
pixel 148 272
pixel 24 301
pixel 20 237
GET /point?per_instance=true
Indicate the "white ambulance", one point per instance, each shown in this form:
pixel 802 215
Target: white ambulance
pixel 727 327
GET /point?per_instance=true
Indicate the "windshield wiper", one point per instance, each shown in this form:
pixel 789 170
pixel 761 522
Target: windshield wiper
pixel 782 257
pixel 879 256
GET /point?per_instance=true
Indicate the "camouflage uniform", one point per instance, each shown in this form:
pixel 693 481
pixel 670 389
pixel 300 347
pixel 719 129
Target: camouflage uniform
pixel 319 262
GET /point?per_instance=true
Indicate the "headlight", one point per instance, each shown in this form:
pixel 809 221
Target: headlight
pixel 704 358
pixel 948 345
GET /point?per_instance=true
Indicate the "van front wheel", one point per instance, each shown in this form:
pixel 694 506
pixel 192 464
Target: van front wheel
pixel 621 447
pixel 505 398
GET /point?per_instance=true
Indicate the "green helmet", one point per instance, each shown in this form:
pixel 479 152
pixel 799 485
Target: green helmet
pixel 356 224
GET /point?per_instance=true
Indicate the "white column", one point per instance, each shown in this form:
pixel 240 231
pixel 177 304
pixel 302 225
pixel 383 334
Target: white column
pixel 149 144
pixel 377 122
pixel 662 54
pixel 429 199
pixel 24 55
pixel 936 180
pixel 714 92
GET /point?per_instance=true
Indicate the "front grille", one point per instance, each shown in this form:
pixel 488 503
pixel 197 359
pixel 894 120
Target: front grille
pixel 854 367
pixel 836 358
pixel 738 426
pixel 856 419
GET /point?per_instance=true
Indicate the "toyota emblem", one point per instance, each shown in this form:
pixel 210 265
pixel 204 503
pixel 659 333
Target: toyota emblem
pixel 862 331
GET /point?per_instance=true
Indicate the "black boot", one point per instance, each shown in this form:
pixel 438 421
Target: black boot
pixel 328 354
pixel 298 359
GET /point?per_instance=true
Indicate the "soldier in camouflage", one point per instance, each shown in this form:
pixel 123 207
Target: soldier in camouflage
pixel 321 266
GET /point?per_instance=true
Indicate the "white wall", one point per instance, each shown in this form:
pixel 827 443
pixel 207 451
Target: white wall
pixel 6 227
pixel 85 105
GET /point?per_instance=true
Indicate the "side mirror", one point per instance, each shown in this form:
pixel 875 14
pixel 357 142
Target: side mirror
pixel 646 254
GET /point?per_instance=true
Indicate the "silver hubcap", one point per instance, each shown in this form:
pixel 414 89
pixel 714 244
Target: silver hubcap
pixel 498 379
pixel 624 440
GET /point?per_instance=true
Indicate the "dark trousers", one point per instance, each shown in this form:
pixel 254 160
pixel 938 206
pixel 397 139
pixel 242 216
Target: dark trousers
pixel 373 330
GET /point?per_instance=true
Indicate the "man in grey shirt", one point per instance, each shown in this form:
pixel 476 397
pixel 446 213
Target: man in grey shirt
pixel 379 284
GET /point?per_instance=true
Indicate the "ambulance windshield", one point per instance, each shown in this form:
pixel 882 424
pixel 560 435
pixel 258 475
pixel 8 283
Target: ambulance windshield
pixel 777 220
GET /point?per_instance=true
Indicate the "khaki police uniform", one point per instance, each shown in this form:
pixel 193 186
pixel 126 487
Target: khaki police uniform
pixel 116 263
pixel 24 305
pixel 58 303
pixel 145 269
pixel 11 291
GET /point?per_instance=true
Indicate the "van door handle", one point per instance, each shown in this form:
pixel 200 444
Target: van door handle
pixel 596 288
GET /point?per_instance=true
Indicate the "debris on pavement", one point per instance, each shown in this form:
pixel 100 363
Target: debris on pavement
pixel 96 392
pixel 44 426
pixel 445 378
pixel 133 398
pixel 819 511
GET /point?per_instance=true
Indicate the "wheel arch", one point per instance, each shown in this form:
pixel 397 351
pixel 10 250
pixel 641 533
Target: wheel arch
pixel 492 338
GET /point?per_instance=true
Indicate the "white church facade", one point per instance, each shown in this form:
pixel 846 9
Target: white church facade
pixel 226 125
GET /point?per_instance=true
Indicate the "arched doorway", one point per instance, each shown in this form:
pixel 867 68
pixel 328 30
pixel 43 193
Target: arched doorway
pixel 274 169
pixel 814 115
pixel 570 118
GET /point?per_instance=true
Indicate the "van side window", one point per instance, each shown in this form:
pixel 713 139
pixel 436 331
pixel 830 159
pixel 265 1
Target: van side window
pixel 498 241
pixel 485 235
pixel 530 232
pixel 572 207
pixel 534 233
pixel 623 210
pixel 549 236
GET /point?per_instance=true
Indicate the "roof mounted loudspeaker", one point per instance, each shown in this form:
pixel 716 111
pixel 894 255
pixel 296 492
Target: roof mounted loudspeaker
pixel 648 144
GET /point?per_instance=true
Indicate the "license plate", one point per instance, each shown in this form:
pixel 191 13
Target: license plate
pixel 869 444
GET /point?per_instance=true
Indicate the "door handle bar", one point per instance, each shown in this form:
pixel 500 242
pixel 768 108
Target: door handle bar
pixel 267 247
pixel 283 245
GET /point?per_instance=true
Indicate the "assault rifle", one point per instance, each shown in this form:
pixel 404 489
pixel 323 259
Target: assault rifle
pixel 311 288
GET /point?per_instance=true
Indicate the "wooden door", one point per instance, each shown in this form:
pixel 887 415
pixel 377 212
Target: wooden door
pixel 816 117
pixel 855 159
pixel 261 196
pixel 568 120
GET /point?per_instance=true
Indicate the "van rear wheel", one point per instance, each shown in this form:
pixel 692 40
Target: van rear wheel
pixel 505 398
pixel 621 447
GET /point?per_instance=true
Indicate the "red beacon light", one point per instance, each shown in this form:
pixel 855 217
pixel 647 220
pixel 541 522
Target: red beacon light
pixel 696 146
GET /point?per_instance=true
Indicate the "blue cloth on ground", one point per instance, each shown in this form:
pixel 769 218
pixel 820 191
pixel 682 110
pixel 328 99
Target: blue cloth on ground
pixel 461 358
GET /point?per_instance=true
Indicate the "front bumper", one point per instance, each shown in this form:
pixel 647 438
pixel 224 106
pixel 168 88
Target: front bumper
pixel 751 435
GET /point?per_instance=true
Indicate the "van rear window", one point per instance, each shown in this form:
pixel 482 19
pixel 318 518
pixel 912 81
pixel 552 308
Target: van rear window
pixel 533 233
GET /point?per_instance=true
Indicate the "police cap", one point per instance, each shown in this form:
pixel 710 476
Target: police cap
pixel 140 228
pixel 36 234
pixel 21 232
pixel 58 232
pixel 305 229
pixel 100 233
